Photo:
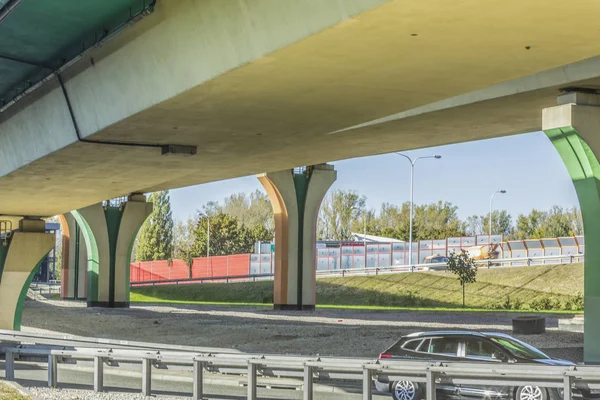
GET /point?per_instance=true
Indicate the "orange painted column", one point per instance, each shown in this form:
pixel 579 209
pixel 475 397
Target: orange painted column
pixel 296 199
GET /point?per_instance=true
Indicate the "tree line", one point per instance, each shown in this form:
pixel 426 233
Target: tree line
pixel 234 225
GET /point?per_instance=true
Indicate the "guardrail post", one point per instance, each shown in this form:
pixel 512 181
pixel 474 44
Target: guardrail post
pixel 52 371
pixel 568 384
pixel 198 380
pixel 308 382
pixel 98 374
pixel 367 383
pixel 9 366
pixel 430 384
pixel 146 377
pixel 252 381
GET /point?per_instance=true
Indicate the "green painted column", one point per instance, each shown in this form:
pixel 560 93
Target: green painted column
pixel 74 259
pixel 109 234
pixel 20 255
pixel 296 199
pixel 574 130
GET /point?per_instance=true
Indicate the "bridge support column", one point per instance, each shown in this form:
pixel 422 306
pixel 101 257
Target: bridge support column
pixel 109 234
pixel 296 198
pixel 20 254
pixel 574 129
pixel 74 260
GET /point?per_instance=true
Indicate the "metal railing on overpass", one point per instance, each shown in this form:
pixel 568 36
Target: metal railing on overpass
pixel 503 263
pixel 332 370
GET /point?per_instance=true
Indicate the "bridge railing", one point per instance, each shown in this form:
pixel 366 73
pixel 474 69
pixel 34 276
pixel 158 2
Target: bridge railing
pixel 309 369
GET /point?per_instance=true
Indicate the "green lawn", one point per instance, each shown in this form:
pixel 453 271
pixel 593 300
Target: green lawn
pixel 555 287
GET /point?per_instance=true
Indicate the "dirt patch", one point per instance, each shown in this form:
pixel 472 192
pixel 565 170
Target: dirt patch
pixel 260 329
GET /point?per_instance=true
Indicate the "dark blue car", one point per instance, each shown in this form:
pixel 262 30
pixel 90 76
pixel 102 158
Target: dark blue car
pixel 471 346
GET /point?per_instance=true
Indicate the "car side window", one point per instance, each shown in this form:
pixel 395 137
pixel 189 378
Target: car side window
pixel 412 344
pixel 424 346
pixel 479 348
pixel 447 346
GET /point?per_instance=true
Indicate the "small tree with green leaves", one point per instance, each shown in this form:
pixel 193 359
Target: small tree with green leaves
pixel 463 266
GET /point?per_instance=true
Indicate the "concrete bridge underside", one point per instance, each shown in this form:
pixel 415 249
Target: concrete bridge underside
pixel 267 85
pixel 261 86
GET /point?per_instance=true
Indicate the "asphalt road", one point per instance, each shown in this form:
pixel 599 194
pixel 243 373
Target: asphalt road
pixel 71 381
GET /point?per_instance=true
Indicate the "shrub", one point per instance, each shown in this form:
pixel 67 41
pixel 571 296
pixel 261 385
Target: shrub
pixel 578 302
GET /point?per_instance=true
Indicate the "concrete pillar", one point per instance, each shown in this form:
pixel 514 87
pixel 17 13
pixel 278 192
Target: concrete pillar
pixel 74 259
pixel 574 129
pixel 296 199
pixel 109 234
pixel 20 253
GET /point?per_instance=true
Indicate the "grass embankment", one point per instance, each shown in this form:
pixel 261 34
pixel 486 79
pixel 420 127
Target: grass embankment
pixel 8 393
pixel 552 287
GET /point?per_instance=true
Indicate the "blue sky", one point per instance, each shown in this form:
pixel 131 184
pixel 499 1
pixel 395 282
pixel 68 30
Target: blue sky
pixel 526 166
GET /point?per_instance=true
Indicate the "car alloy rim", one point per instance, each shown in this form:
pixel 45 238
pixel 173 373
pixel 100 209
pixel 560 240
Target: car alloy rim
pixel 405 390
pixel 530 393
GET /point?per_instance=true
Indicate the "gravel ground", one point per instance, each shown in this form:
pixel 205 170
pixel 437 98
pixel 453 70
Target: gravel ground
pixel 260 329
pixel 72 394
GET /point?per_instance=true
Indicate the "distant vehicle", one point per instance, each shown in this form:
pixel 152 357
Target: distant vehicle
pixel 435 259
pixel 485 252
pixel 472 347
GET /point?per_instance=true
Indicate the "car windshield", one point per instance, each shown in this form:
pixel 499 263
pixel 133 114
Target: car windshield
pixel 519 349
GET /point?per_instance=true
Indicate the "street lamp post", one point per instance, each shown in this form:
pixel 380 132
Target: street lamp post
pixel 365 230
pixel 412 178
pixel 207 237
pixel 491 201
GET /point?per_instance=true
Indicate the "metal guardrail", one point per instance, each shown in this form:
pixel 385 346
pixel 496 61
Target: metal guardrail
pixel 393 269
pixel 72 341
pixel 308 369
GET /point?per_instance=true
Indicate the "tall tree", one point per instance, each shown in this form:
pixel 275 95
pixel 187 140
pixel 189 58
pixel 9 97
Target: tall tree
pixel 576 220
pixel 555 222
pixel 251 210
pixel 223 234
pixel 339 209
pixel 155 241
pixel 480 225
pixel 436 220
pixel 183 238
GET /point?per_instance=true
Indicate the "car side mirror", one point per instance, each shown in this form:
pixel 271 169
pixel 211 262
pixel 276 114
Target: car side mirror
pixel 497 355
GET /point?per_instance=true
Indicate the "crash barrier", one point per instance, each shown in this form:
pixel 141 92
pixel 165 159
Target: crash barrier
pixel 309 369
pixel 509 262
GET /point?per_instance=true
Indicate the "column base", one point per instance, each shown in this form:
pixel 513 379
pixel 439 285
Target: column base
pixel 107 304
pixel 294 307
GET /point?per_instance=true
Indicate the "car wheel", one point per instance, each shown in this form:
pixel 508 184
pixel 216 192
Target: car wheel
pixel 405 390
pixel 531 393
